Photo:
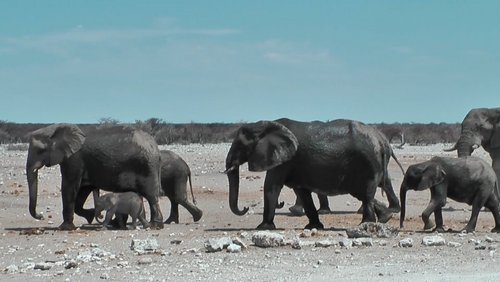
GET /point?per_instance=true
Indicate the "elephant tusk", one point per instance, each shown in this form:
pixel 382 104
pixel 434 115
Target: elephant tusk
pixel 475 146
pixel 230 169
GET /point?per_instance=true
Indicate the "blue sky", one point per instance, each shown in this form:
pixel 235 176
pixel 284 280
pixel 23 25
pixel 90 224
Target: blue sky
pixel 232 61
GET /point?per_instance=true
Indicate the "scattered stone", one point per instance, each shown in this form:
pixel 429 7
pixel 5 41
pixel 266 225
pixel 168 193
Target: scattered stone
pixel 11 269
pixel 217 244
pixel 372 229
pixel 122 263
pixel 346 243
pixel 145 261
pixel 239 242
pixel 367 242
pixel 325 243
pixel 406 243
pixel 234 248
pixel 435 240
pixel 145 246
pixel 489 239
pixel 43 265
pixel 266 239
pixel 104 276
pixel 454 244
pixel 382 243
pixel 306 233
pixel 480 247
pixel 71 264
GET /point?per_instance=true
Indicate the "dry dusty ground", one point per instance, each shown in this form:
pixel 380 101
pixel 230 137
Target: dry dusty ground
pixel 26 241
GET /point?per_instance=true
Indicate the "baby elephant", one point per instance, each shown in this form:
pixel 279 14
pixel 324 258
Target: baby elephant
pixel 468 180
pixel 126 203
pixel 174 175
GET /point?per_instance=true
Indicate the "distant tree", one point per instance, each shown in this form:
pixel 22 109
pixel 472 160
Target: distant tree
pixel 107 121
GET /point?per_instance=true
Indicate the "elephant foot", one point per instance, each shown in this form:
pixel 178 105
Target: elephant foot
pixel 467 230
pixel 67 226
pixel 312 225
pixel 394 208
pixel 428 225
pixel 266 226
pixel 384 217
pixel 156 225
pixel 296 210
pixel 197 216
pixel 324 210
pixel 496 229
pixel 439 229
pixel 360 210
pixel 171 219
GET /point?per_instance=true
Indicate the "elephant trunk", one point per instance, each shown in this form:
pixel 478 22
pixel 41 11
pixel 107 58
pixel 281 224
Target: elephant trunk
pixel 233 175
pixel 402 195
pixel 32 176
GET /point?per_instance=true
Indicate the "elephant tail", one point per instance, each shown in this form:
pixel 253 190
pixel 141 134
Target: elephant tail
pixel 397 161
pixel 191 187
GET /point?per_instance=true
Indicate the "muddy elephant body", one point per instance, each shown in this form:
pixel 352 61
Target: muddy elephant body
pixel 116 159
pixel 468 180
pixel 125 203
pixel 385 153
pixel 175 174
pixel 329 158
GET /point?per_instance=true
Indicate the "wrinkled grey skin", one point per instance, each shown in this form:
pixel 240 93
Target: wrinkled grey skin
pixel 468 180
pixel 332 158
pixel 129 203
pixel 481 127
pixel 174 176
pixel 115 158
pixel 385 184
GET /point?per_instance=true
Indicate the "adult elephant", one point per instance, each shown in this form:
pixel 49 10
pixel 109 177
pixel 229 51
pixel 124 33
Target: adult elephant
pixel 386 153
pixel 116 159
pixel 331 158
pixel 481 127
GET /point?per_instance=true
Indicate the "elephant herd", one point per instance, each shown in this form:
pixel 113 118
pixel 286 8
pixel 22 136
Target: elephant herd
pixel 327 158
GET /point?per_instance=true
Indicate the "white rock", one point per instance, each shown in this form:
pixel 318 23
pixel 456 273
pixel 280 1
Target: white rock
pixel 435 240
pixel 406 243
pixel 217 244
pixel 233 248
pixel 266 239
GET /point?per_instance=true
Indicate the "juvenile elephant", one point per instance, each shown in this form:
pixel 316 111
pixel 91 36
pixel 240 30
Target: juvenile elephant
pixel 468 180
pixel 386 153
pixel 129 203
pixel 330 158
pixel 481 127
pixel 174 175
pixel 117 159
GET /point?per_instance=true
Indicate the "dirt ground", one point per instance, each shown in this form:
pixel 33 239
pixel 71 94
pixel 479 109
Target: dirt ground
pixel 27 243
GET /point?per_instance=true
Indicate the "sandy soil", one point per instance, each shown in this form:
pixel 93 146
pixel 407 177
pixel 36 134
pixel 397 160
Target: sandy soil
pixel 27 242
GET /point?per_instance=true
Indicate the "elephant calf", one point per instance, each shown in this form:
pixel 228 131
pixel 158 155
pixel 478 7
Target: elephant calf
pixel 467 179
pixel 126 203
pixel 174 175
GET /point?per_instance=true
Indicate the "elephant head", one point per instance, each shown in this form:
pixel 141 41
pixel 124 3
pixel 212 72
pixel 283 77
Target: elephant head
pixel 419 177
pixel 264 145
pixel 49 146
pixel 480 127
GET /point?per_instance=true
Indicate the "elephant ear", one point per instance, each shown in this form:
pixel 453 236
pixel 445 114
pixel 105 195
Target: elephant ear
pixel 275 145
pixel 67 139
pixel 495 137
pixel 431 176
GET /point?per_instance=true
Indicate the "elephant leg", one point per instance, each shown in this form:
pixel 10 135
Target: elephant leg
pixel 438 216
pixel 428 223
pixel 394 205
pixel 81 198
pixel 478 202
pixel 297 209
pixel 174 212
pixel 120 221
pixel 493 205
pixel 68 193
pixel 195 212
pixel 369 203
pixel 309 208
pixel 324 206
pixel 154 205
pixel 272 188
